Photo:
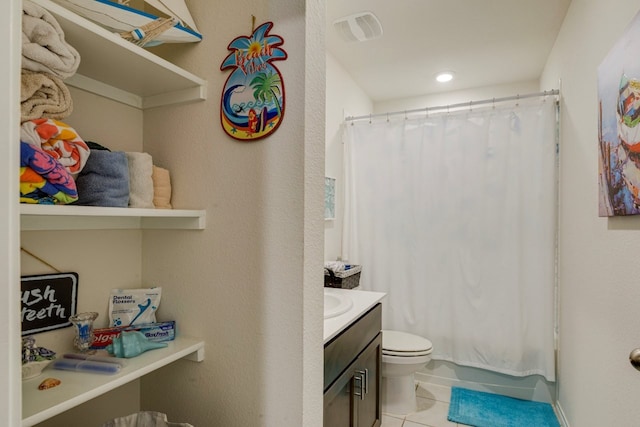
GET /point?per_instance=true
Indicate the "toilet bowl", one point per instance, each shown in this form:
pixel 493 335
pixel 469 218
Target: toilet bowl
pixel 403 354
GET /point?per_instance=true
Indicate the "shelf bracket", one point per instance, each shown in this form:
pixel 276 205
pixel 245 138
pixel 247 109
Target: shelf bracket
pixel 196 356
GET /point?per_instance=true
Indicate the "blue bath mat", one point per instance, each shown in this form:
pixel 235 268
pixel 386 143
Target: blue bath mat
pixel 479 409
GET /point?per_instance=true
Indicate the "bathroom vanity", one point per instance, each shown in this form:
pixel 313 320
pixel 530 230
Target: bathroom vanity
pixel 352 362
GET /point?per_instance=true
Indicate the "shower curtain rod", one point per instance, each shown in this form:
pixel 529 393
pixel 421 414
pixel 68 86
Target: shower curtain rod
pixel 453 106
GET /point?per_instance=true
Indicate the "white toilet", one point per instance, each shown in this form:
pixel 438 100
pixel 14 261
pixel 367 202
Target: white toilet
pixel 403 354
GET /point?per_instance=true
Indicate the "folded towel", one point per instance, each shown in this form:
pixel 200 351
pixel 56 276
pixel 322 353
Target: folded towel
pixel 104 180
pixel 140 180
pixel 161 188
pixel 335 266
pixel 44 48
pixel 43 95
pixel 43 180
pixel 59 140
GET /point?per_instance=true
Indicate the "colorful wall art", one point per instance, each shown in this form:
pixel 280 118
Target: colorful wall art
pixel 619 126
pixel 253 98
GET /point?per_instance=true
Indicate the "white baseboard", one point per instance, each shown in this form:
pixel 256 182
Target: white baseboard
pixel 561 416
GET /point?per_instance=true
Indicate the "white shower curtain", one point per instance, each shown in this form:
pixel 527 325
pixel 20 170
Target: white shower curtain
pixel 454 216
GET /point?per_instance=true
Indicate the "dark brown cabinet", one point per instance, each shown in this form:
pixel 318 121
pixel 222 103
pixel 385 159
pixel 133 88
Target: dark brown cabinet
pixel 352 370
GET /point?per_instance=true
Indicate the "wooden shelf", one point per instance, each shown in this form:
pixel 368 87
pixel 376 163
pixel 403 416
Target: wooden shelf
pixel 117 69
pixel 60 217
pixel 79 387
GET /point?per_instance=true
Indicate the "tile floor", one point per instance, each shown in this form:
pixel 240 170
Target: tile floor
pixel 433 407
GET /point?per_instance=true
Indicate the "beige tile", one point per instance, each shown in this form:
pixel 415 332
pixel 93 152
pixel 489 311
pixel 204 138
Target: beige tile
pixel 430 413
pixel 433 391
pixel 388 421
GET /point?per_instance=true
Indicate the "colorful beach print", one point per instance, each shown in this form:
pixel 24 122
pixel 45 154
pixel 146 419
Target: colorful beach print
pixel 253 98
pixel 619 126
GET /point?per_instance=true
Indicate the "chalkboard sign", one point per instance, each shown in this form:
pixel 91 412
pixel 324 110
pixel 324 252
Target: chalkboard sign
pixel 48 301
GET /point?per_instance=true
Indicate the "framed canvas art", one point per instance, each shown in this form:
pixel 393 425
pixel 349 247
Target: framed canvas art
pixel 619 126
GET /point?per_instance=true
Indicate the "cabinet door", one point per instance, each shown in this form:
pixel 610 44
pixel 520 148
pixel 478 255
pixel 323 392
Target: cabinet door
pixel 339 401
pixel 368 366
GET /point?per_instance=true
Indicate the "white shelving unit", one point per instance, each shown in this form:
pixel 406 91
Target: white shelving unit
pixel 79 387
pixel 60 217
pixel 119 70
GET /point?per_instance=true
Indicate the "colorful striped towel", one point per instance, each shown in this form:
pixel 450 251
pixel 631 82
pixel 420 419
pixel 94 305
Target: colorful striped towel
pixel 43 180
pixel 59 140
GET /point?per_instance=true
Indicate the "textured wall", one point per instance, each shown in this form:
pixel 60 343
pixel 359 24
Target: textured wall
pixel 242 283
pixel 598 269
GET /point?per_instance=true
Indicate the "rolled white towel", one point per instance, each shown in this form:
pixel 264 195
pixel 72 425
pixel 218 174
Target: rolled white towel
pixel 140 180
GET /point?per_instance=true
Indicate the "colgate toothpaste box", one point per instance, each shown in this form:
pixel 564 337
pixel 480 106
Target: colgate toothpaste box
pixel 157 332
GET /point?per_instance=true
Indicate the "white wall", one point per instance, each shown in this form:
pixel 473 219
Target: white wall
pixel 251 283
pixel 456 97
pixel 344 98
pixel 598 270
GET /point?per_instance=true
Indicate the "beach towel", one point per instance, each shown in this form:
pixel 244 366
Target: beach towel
pixel 104 180
pixel 44 48
pixel 140 180
pixel 59 140
pixel 43 95
pixel 42 179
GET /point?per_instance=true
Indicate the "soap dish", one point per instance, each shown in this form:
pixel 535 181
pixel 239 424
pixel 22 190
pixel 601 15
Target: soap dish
pixel 33 369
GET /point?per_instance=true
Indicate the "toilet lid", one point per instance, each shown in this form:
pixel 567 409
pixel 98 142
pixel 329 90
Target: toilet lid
pixel 398 343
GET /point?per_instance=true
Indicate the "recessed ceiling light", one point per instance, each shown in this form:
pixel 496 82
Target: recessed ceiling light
pixel 445 76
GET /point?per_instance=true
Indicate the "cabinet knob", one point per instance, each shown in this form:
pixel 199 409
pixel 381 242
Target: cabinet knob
pixel 634 358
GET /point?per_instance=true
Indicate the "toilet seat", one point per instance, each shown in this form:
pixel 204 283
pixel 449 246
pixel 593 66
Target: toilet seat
pixel 403 344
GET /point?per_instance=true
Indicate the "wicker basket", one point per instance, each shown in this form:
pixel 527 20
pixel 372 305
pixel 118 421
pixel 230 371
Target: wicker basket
pixel 347 279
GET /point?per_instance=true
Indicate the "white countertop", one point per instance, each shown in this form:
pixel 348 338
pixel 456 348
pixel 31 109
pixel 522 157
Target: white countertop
pixel 362 301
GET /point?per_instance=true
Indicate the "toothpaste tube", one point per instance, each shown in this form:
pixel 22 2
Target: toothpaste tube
pixel 156 332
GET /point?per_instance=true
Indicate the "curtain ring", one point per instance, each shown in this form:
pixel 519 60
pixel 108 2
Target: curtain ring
pixel 387 117
pixel 426 111
pixel 405 115
pixel 369 118
pixel 470 106
pixel 517 100
pixel 493 103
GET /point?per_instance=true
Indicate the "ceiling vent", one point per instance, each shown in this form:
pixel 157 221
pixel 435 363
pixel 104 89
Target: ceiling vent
pixel 358 27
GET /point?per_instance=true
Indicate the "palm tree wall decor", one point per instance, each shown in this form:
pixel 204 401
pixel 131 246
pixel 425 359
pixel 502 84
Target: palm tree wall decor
pixel 253 97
